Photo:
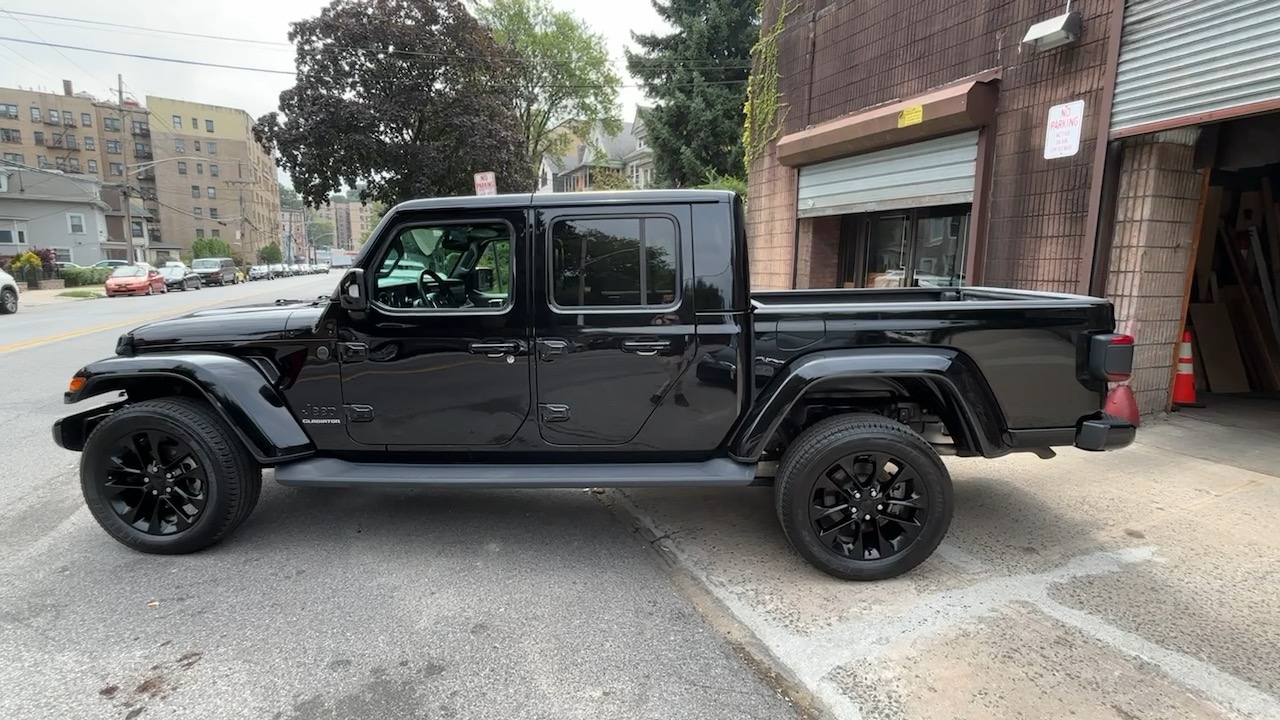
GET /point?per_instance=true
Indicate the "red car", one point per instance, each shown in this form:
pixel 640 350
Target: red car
pixel 140 279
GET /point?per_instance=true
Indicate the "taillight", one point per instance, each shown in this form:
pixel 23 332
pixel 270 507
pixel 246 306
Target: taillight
pixel 1111 357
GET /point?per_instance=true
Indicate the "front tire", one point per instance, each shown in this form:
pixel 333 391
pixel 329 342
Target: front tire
pixel 168 476
pixel 863 498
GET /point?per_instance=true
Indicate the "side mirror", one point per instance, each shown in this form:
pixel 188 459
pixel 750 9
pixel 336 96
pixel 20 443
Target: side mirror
pixel 351 290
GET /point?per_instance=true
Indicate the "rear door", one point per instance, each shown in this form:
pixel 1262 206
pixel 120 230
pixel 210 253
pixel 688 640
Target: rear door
pixel 614 326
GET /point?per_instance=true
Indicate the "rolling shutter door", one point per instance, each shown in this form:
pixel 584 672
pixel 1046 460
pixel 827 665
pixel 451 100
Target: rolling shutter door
pixel 1182 58
pixel 934 172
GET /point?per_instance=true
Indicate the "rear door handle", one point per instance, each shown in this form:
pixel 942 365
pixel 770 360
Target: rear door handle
pixel 494 349
pixel 645 347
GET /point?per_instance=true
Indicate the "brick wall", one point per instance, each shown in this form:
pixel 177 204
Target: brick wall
pixel 839 58
pixel 1156 209
pixel 818 252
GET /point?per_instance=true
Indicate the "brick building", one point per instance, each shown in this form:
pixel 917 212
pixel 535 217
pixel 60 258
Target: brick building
pixel 942 143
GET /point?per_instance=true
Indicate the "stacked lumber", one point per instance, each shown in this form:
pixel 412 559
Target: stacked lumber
pixel 1233 314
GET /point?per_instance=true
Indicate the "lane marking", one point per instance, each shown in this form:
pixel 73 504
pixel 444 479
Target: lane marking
pixel 134 321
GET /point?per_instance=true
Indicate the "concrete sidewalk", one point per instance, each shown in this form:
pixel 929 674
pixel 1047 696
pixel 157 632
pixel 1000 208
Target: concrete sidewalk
pixel 1135 584
pixel 37 298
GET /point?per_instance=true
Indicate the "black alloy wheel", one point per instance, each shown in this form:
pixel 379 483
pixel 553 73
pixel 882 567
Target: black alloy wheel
pixel 868 506
pixel 155 483
pixel 168 476
pixel 862 497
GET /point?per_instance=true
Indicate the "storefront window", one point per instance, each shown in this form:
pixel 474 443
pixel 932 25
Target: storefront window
pixel 906 248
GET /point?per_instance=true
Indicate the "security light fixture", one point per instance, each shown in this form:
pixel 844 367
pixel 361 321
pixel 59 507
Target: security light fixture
pixel 1054 32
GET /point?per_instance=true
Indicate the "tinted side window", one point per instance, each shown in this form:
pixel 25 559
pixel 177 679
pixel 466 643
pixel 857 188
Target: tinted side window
pixel 614 262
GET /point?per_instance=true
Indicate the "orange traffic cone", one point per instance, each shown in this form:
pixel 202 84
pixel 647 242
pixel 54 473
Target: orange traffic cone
pixel 1184 379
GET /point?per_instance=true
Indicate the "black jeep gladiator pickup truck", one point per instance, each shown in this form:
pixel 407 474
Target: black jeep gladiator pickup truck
pixel 593 340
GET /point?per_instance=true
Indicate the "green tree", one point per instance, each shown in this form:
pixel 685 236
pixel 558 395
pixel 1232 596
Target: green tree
pixel 563 79
pixel 270 253
pixel 716 181
pixel 205 247
pixel 289 198
pixel 409 96
pixel 697 78
pixel 320 232
pixel 609 179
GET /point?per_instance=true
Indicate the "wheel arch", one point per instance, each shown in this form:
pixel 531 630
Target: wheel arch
pixel 944 379
pixel 235 388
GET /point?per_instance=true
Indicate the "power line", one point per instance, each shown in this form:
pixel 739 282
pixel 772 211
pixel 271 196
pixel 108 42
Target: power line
pixel 55 47
pixel 245 68
pixel 687 63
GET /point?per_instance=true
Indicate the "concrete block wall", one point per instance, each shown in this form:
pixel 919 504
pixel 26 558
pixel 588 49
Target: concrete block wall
pixel 1159 196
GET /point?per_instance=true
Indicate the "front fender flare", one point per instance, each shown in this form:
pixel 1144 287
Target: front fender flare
pixel 235 388
pixel 956 380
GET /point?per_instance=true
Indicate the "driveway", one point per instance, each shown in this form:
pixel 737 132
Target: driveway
pixel 1134 584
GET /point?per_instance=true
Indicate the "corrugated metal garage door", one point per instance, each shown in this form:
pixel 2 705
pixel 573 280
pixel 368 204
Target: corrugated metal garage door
pixel 1181 58
pixel 933 172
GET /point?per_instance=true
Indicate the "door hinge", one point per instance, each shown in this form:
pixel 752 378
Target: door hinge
pixel 352 351
pixel 358 413
pixel 553 412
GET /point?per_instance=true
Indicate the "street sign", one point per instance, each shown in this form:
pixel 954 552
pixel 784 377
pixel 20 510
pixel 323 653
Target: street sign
pixel 1062 131
pixel 486 183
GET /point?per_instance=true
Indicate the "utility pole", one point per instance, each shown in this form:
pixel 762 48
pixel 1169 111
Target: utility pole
pixel 124 191
pixel 243 237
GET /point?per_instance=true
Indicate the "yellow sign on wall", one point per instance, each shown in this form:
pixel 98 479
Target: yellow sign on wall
pixel 911 116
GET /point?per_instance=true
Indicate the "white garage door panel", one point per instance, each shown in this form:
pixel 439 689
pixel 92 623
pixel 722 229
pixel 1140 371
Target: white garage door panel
pixel 933 172
pixel 1183 58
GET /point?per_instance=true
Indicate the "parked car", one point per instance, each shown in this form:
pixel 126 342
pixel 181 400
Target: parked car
pixel 843 400
pixel 138 279
pixel 322 269
pixel 111 263
pixel 260 272
pixel 295 269
pixel 216 271
pixel 278 270
pixel 8 294
pixel 180 277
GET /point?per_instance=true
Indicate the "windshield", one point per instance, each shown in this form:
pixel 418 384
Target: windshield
pixel 172 271
pixel 128 271
pixel 207 264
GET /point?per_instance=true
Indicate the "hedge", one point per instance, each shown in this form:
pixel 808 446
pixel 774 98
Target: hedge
pixel 81 277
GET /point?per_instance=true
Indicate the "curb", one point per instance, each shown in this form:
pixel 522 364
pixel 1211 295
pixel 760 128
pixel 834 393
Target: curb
pixel 746 645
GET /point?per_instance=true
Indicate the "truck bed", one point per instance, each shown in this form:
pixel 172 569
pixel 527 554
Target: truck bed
pixel 838 300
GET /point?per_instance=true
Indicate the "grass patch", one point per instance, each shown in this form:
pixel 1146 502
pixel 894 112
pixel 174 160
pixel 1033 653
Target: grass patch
pixel 80 294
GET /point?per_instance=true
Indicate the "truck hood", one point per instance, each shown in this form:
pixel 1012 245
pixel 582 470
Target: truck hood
pixel 223 326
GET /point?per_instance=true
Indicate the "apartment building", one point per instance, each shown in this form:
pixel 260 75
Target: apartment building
pixel 293 231
pixel 195 167
pixel 338 212
pixel 212 178
pixel 74 133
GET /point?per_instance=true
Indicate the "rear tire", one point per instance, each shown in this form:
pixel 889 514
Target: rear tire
pixel 123 478
pixel 8 302
pixel 862 497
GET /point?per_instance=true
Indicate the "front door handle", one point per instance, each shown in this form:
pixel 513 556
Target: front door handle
pixel 645 347
pixel 494 349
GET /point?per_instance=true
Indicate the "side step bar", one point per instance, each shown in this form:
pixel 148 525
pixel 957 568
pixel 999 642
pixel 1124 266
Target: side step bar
pixel 330 472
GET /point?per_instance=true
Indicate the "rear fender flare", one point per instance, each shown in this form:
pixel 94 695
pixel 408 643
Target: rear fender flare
pixel 967 404
pixel 235 388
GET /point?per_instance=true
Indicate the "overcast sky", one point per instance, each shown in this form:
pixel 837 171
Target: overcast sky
pixel 24 65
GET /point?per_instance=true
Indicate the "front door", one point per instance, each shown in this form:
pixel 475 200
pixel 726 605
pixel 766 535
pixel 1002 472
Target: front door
pixel 441 357
pixel 614 324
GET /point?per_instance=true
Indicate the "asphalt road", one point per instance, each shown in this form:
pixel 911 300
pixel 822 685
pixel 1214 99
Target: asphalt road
pixel 328 604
